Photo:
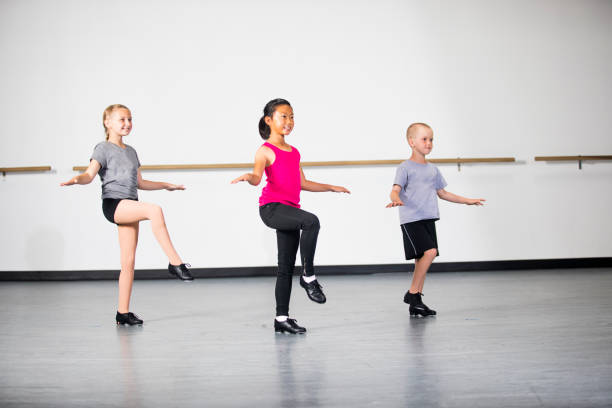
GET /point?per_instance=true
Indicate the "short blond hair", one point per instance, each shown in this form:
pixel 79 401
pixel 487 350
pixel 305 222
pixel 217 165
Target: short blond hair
pixel 410 132
pixel 108 111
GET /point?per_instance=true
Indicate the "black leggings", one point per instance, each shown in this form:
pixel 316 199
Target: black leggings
pixel 288 222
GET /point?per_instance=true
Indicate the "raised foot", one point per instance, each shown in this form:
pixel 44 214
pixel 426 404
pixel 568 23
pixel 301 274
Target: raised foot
pixel 180 271
pixel 314 290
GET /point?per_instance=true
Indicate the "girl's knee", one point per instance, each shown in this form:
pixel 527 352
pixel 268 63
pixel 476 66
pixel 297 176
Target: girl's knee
pixel 312 223
pixel 156 212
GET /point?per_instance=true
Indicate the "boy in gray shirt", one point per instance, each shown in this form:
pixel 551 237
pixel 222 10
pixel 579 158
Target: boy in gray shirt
pixel 416 189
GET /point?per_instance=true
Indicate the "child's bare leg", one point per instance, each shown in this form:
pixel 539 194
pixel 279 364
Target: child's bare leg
pixel 129 211
pixel 421 266
pixel 128 239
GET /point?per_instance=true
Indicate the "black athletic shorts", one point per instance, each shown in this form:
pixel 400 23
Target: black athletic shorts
pixel 109 206
pixel 419 236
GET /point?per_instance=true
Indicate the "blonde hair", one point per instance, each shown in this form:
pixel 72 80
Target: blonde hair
pixel 107 112
pixel 413 128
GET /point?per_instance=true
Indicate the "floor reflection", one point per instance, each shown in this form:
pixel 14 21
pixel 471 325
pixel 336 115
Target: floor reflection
pixel 299 371
pixel 421 379
pixel 130 384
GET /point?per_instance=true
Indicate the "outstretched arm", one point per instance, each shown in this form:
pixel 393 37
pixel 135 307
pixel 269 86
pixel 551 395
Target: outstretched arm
pixel 308 185
pixel 395 198
pixel 86 177
pixel 262 158
pixel 454 198
pixel 157 185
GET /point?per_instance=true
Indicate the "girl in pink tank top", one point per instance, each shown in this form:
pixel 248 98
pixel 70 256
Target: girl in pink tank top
pixel 279 208
pixel 283 178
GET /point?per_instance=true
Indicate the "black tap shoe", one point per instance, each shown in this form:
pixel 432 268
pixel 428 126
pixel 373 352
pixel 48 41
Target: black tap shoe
pixel 181 272
pixel 422 310
pixel 417 307
pixel 289 326
pixel 128 318
pixel 313 290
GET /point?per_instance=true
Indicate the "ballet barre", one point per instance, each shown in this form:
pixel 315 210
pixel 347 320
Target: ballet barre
pixel 578 158
pixel 218 166
pixel 5 170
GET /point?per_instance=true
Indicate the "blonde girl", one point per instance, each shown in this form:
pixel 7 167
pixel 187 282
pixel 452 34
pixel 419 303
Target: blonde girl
pixel 118 166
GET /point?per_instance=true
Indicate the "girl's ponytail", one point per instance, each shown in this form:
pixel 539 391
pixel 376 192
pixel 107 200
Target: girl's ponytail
pixel 264 129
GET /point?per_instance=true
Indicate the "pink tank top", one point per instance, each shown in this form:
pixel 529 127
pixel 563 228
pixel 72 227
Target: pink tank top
pixel 284 181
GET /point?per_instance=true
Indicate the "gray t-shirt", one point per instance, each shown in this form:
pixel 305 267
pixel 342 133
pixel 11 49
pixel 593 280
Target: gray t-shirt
pixel 420 184
pixel 119 170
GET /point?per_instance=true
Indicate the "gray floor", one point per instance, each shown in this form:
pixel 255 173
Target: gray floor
pixel 501 339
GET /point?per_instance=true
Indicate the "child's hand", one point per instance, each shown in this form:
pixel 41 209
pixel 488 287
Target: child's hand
pixel 476 201
pixel 244 177
pixel 395 203
pixel 339 189
pixel 70 182
pixel 172 187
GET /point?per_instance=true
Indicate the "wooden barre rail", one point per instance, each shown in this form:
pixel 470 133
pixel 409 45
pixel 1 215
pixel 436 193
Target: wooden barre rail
pixel 571 158
pixel 5 170
pixel 457 161
pixel 578 158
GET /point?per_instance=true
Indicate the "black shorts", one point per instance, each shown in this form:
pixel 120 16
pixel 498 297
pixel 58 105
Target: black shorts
pixel 109 206
pixel 419 236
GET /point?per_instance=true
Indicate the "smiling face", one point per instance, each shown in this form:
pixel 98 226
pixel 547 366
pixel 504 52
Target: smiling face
pixel 281 122
pixel 119 122
pixel 420 139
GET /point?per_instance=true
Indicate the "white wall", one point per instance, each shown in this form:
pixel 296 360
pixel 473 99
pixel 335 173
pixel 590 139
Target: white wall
pixel 493 78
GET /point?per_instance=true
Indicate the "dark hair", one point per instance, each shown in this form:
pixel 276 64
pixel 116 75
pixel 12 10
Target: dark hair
pixel 269 109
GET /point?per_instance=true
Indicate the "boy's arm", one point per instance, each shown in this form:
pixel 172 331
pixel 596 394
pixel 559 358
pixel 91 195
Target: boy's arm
pixel 454 198
pixel 394 196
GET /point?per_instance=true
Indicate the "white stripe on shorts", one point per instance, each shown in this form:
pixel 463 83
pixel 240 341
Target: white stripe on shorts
pixel 409 239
